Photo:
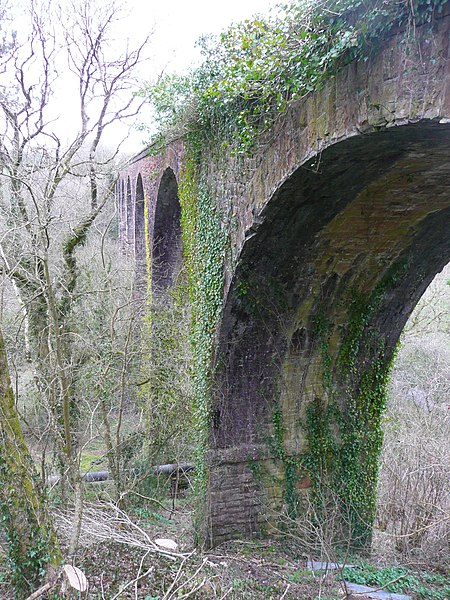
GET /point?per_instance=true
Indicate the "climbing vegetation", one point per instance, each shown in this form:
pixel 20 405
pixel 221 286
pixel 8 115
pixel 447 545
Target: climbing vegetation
pixel 345 430
pixel 256 68
pixel 182 320
pixel 204 244
pixel 31 541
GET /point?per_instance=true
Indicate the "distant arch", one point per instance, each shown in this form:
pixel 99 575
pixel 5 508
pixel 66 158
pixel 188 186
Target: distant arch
pixel 122 212
pixel 128 215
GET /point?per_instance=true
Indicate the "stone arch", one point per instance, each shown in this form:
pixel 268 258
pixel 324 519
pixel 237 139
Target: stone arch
pixel 139 222
pixel 324 286
pixel 167 249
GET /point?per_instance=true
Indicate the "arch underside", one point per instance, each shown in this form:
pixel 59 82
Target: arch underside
pixel 139 233
pixel 139 222
pixel 167 245
pixel 364 226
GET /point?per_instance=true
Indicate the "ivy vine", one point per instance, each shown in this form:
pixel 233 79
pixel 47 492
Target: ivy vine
pixel 344 430
pixel 204 243
pixel 30 549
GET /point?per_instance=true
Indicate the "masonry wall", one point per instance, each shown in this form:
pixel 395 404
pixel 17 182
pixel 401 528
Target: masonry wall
pixel 352 183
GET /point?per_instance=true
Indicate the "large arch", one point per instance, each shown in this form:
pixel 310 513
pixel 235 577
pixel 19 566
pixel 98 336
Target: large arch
pixel 347 245
pixel 167 244
pixel 335 224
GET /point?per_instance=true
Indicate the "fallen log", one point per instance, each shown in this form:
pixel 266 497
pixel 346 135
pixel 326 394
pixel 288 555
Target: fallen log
pixel 173 469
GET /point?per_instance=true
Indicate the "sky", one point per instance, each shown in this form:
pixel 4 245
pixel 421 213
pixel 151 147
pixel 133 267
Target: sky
pixel 177 24
pixel 174 27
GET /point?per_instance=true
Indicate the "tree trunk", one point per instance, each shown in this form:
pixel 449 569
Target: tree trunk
pixel 31 540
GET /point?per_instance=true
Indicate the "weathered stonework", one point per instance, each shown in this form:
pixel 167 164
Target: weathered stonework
pixel 347 198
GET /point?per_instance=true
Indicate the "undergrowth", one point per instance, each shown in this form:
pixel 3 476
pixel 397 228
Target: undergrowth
pixel 398 579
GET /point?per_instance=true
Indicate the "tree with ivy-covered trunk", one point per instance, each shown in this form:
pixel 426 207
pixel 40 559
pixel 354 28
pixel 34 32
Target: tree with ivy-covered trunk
pixel 31 540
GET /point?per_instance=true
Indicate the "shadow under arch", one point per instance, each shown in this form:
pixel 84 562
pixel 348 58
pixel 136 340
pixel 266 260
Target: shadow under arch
pixel 168 404
pixel 167 248
pixel 139 223
pixel 324 286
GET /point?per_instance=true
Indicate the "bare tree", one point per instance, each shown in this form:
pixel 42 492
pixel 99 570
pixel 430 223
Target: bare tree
pixel 55 183
pixel 414 500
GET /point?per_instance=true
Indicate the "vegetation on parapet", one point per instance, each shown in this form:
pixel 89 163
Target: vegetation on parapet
pixel 256 68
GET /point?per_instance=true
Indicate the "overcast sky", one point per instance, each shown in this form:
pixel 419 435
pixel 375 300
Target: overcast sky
pixel 177 24
pixel 174 25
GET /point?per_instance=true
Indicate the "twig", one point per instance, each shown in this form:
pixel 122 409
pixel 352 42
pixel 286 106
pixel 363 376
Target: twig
pixel 285 591
pixel 45 588
pixel 117 526
pixel 102 587
pixel 177 576
pixel 188 594
pixel 135 580
pixel 190 579
pixel 160 504
pixel 139 572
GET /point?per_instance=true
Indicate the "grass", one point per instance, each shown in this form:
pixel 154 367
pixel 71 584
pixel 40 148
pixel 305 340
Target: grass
pixel 93 457
pixel 92 461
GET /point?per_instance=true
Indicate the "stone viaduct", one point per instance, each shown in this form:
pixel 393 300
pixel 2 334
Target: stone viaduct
pixel 335 226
